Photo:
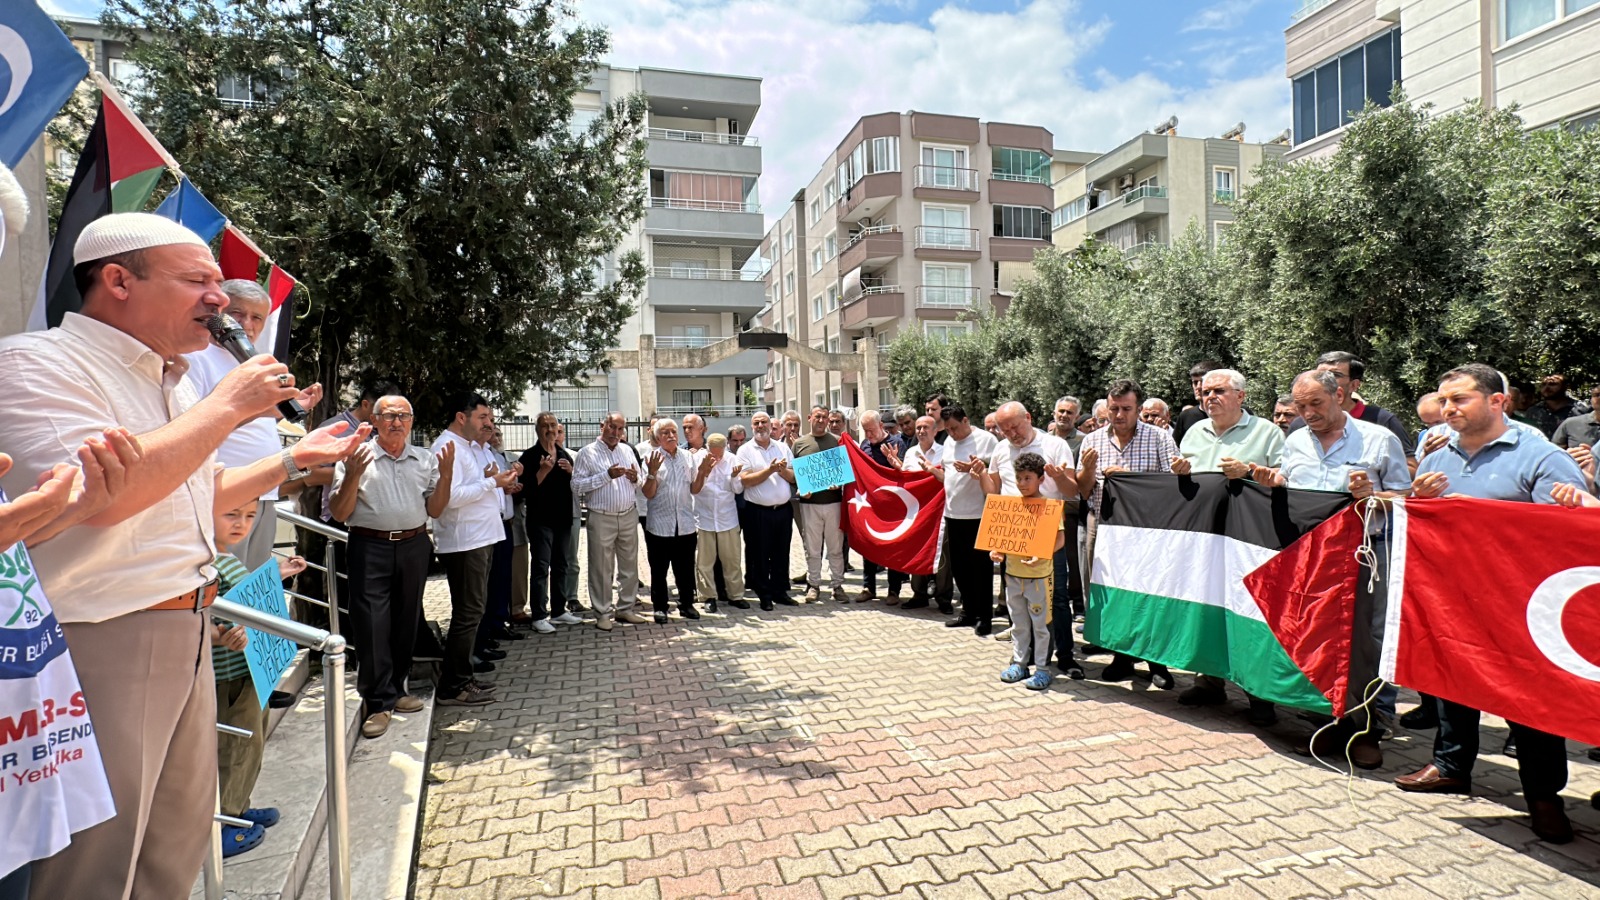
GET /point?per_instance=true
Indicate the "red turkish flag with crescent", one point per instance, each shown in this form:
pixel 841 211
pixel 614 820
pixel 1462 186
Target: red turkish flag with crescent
pixel 1496 605
pixel 893 518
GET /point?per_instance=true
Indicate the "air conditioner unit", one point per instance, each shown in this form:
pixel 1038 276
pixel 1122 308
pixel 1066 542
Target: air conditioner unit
pixel 1125 182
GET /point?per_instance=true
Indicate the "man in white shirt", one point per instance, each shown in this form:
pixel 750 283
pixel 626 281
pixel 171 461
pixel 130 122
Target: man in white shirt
pixel 926 455
pixel 716 517
pixel 669 527
pixel 464 537
pixel 768 483
pixel 605 477
pixel 249 305
pixel 965 450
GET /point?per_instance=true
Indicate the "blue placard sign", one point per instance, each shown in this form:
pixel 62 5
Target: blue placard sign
pixel 269 655
pixel 821 471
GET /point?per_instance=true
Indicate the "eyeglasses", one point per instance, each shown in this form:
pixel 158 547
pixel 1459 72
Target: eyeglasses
pixel 395 417
pixel 1215 392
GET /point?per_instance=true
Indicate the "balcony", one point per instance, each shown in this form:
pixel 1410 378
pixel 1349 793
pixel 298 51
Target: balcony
pixel 1020 190
pixel 869 196
pixel 1140 249
pixel 1141 152
pixel 1223 196
pixel 680 289
pixel 877 304
pixel 1306 8
pixel 947 243
pixel 712 410
pixel 1138 205
pixel 744 364
pixel 729 221
pixel 706 151
pixel 944 183
pixel 875 245
pixel 689 342
pixel 1004 248
pixel 941 301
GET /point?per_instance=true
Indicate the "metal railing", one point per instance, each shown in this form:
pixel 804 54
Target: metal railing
pixel 713 410
pixel 947 177
pixel 704 274
pixel 702 137
pixel 704 205
pixel 941 296
pixel 867 232
pixel 868 290
pixel 689 342
pixel 1141 248
pixel 332 646
pixel 935 237
pixel 1224 196
pixel 1012 176
pixel 1140 193
pixel 1307 7
pixel 329 567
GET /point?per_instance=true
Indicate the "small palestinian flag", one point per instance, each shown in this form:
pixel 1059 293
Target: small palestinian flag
pixel 1171 554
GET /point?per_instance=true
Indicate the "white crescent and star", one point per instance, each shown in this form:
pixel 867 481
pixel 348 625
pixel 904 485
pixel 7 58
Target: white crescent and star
pixel 15 52
pixel 1545 607
pixel 860 502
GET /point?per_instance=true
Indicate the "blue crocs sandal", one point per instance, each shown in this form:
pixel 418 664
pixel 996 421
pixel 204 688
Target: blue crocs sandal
pixel 266 816
pixel 236 840
pixel 1013 674
pixel 1040 680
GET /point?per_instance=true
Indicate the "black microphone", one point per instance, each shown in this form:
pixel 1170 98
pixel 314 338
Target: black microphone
pixel 230 336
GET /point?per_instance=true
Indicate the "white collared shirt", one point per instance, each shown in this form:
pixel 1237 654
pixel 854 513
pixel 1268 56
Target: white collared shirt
pixel 600 492
pixel 1055 451
pixel 776 490
pixel 250 442
pixel 671 511
pixel 915 454
pixel 714 507
pixel 63 386
pixel 963 494
pixel 472 517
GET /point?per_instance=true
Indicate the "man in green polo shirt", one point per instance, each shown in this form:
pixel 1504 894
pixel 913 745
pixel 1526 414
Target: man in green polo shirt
pixel 1229 440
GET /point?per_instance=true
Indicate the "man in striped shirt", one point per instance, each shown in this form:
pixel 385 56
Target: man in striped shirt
pixel 605 477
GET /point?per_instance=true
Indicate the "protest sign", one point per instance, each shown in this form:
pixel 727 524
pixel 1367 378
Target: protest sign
pixel 821 471
pixel 52 783
pixel 269 655
pixel 1025 526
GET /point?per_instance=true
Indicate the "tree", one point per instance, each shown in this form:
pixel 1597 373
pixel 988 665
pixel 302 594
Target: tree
pixel 412 162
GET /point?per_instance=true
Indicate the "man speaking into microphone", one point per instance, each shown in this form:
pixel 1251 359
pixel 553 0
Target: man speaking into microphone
pixel 130 582
pixel 249 306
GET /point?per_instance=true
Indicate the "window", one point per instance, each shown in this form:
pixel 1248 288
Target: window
pixel 687 268
pixel 1518 17
pixel 128 76
pixel 816 307
pixel 788 283
pixel 833 344
pixel 247 90
pixel 703 190
pixel 794 368
pixel 945 285
pixel 946 226
pixel 816 260
pixel 1328 96
pixel 1222 184
pixel 792 330
pixel 1022 222
pixel 788 240
pixel 581 120
pixel 833 297
pixel 945 167
pixel 695 398
pixel 944 331
pixel 830 245
pixel 1219 232
pixel 1070 212
pixel 830 194
pixel 885 154
pixel 816 211
pixel 1011 164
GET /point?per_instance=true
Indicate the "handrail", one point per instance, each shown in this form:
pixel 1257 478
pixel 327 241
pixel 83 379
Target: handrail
pixel 709 205
pixel 703 274
pixel 330 566
pixel 1146 191
pixel 867 232
pixel 332 645
pixel 951 178
pixel 702 137
pixel 942 237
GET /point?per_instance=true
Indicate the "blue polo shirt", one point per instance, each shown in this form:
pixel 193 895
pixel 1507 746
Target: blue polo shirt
pixel 1362 447
pixel 1517 465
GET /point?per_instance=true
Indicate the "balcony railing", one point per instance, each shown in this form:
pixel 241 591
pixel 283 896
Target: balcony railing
pixel 1307 7
pixel 939 238
pixel 708 205
pixel 1141 249
pixel 702 137
pixel 946 177
pixel 868 290
pixel 1224 196
pixel 693 274
pixel 867 232
pixel 939 296
pixel 1141 193
pixel 689 342
pixel 1012 176
pixel 717 410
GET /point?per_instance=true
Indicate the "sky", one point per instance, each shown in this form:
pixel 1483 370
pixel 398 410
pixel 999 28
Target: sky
pixel 1094 72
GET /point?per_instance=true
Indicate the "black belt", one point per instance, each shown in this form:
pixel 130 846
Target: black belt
pixel 388 535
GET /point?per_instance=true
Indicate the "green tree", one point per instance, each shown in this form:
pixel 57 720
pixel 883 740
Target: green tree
pixel 411 162
pixel 916 366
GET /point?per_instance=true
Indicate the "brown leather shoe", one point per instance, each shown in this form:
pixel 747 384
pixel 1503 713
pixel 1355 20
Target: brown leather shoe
pixel 1550 821
pixel 1429 780
pixel 1365 752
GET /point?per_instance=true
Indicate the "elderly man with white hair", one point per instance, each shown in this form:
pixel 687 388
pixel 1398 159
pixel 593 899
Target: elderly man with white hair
pixel 1155 411
pixel 670 532
pixel 1228 440
pixel 883 449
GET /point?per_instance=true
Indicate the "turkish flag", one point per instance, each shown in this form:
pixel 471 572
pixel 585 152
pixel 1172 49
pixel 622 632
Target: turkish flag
pixel 893 518
pixel 1496 605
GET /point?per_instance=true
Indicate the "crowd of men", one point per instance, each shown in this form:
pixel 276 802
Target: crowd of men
pixel 115 424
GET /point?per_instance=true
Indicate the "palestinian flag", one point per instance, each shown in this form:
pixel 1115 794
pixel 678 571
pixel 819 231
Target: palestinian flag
pixel 1170 558
pixel 118 168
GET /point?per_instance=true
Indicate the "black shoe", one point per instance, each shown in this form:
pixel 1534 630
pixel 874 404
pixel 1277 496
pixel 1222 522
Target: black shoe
pixel 1422 718
pixel 492 655
pixel 766 604
pixel 1263 713
pixel 1092 650
pixel 984 629
pixel 280 700
pixel 661 618
pixel 962 622
pixel 798 579
pixel 785 600
pixel 482 666
pixel 1119 669
pixel 739 604
pixel 916 603
pixel 1160 676
pixel 689 612
pixel 506 634
pixel 1071 669
pixel 1510 749
pixel 947 608
pixel 710 607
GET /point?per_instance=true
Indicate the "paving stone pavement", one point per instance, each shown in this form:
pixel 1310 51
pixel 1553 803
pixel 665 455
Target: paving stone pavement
pixel 831 751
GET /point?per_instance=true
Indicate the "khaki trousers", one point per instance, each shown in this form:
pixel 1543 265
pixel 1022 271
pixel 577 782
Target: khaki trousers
pixel 519 579
pixel 713 547
pixel 613 552
pixel 820 536
pixel 239 758
pixel 147 679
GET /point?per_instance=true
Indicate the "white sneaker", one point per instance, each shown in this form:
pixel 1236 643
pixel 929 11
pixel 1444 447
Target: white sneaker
pixel 1000 636
pixel 564 619
pixel 543 626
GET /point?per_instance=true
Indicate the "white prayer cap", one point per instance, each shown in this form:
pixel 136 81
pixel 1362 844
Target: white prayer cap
pixel 125 232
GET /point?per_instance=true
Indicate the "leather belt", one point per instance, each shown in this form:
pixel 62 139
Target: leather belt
pixel 388 535
pixel 191 601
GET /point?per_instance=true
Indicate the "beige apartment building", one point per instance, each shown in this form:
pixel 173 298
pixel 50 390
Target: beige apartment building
pixel 1151 188
pixel 914 221
pixel 1542 55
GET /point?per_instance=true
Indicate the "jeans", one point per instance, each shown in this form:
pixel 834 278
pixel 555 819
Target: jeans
pixel 869 577
pixel 1541 757
pixel 468 575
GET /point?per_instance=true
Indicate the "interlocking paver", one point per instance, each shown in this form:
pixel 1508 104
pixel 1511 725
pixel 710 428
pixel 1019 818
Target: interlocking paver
pixel 775 756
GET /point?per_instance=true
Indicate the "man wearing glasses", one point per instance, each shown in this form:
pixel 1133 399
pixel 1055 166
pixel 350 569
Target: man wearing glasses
pixel 385 493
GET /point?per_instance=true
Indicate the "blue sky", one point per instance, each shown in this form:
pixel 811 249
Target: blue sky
pixel 1095 72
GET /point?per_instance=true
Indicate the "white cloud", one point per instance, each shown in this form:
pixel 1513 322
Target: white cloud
pixel 1222 16
pixel 824 65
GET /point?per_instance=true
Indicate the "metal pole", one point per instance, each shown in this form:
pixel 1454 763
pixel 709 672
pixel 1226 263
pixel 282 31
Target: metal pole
pixel 330 577
pixel 338 790
pixel 212 871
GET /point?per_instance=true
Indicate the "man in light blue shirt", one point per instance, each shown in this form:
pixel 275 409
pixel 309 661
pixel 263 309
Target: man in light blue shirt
pixel 1488 458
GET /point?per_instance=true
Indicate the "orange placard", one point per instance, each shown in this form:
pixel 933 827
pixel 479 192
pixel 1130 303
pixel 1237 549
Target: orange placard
pixel 1024 526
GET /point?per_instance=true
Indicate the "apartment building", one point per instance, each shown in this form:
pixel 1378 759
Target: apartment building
pixel 699 237
pixel 914 221
pixel 1542 55
pixel 1151 188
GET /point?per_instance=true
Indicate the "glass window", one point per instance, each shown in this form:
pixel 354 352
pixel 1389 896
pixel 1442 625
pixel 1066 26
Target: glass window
pixel 830 245
pixel 1071 212
pixel 1328 97
pixel 1223 184
pixel 1021 222
pixel 858 162
pixel 944 331
pixel 794 368
pixel 1305 108
pixel 886 154
pixel 1011 164
pixel 788 240
pixel 816 260
pixel 127 75
pixel 702 190
pixel 816 211
pixel 1523 16
pixel 816 307
pixel 1380 69
pixel 833 297
pixel 788 283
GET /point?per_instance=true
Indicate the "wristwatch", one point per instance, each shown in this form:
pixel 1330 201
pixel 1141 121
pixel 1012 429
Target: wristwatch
pixel 292 471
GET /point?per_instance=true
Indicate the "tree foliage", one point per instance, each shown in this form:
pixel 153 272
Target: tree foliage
pixel 1422 242
pixel 411 162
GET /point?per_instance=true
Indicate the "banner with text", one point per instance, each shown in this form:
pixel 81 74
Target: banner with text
pixel 269 655
pixel 1026 526
pixel 822 471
